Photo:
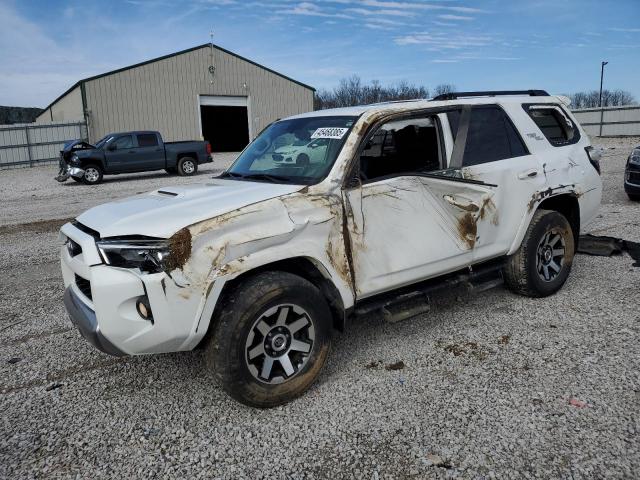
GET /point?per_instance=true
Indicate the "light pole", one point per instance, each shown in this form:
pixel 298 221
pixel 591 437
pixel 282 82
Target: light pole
pixel 600 102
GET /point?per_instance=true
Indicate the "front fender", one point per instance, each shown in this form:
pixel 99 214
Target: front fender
pixel 299 225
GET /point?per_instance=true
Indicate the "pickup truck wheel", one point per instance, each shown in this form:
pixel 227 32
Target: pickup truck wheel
pixel 270 340
pixel 187 166
pixel 542 263
pixel 92 175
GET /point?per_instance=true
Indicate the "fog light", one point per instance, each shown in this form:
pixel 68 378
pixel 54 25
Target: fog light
pixel 142 305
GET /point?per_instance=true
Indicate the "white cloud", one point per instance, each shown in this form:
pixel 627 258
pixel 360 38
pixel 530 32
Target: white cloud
pixel 455 17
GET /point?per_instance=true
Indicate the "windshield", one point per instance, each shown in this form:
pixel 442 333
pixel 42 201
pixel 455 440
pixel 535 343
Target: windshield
pixel 299 151
pixel 103 140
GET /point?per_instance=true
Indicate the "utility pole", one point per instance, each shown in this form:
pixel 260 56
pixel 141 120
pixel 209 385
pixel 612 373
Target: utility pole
pixel 600 102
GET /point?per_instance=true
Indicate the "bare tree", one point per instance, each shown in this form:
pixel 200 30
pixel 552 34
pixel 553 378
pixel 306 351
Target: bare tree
pixel 352 91
pixel 443 88
pixel 610 98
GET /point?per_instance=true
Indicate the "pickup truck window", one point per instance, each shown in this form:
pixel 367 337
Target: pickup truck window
pixel 147 140
pixel 400 147
pixel 124 142
pixel 300 150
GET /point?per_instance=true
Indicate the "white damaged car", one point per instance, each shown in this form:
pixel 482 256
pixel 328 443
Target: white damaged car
pixel 403 201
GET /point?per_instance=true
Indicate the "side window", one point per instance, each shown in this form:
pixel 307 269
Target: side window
pixel 124 142
pixel 554 124
pixel 147 140
pixel 491 136
pixel 402 146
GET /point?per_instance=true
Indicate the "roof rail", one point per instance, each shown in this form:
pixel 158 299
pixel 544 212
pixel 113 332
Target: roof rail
pixel 490 93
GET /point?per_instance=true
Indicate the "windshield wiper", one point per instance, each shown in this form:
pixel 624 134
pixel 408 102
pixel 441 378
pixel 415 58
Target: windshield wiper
pixel 267 176
pixel 231 174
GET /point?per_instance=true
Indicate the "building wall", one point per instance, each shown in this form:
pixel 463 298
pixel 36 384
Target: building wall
pixel 67 109
pixel 164 95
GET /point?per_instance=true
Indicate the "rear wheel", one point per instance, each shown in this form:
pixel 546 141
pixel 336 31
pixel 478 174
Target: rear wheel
pixel 542 263
pixel 270 339
pixel 187 166
pixel 92 175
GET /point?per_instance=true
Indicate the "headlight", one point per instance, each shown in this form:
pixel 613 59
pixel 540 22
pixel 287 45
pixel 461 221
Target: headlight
pixel 148 255
pixel 635 158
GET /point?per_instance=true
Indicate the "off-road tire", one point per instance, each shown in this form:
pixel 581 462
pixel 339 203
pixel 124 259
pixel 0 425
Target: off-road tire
pixel 521 273
pixel 226 352
pixel 633 197
pixel 88 178
pixel 187 166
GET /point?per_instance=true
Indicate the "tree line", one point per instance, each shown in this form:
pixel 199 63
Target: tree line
pixel 353 91
pixel 610 98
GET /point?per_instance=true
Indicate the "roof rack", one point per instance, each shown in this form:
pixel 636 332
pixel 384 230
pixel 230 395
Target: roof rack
pixel 490 93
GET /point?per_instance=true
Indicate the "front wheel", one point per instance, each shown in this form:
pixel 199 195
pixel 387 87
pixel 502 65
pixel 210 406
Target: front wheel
pixel 92 175
pixel 542 263
pixel 187 166
pixel 270 339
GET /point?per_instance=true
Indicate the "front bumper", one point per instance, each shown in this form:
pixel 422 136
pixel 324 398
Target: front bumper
pixel 632 180
pixel 85 320
pixel 69 171
pixel 101 301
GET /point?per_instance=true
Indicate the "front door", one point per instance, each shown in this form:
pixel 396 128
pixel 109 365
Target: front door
pixel 409 219
pixel 120 154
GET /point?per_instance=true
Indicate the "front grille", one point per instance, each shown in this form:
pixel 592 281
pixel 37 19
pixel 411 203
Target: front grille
pixel 84 286
pixel 86 229
pixel 634 177
pixel 73 248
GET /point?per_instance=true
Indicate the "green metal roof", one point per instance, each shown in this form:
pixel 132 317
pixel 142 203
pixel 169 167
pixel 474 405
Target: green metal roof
pixel 204 45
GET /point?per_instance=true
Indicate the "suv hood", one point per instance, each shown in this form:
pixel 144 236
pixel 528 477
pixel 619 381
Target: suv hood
pixel 163 212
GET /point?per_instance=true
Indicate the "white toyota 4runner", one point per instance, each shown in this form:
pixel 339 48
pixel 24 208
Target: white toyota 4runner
pixel 395 203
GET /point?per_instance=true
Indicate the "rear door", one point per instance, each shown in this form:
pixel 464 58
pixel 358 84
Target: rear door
pixel 488 148
pixel 149 151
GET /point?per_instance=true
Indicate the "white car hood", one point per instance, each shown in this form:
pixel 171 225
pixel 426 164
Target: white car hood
pixel 163 212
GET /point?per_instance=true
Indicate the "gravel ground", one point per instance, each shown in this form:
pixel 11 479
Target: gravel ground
pixel 490 385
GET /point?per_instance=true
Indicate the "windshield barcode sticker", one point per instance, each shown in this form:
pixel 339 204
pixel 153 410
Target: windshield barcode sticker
pixel 329 132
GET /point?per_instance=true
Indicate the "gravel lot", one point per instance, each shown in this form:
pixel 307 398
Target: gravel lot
pixel 493 385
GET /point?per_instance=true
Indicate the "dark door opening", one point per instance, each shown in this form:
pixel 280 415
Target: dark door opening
pixel 225 128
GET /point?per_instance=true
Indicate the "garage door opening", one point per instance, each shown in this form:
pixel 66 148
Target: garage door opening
pixel 225 127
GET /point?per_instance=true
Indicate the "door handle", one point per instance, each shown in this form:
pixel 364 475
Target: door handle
pixel 528 174
pixel 463 204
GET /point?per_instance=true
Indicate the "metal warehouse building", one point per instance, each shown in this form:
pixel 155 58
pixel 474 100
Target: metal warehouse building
pixel 203 92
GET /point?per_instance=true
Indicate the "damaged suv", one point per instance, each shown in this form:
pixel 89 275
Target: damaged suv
pixel 398 202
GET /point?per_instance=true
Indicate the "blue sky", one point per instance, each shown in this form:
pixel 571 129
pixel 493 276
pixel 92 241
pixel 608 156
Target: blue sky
pixel 47 45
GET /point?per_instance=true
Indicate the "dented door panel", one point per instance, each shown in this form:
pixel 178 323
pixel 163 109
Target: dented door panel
pixel 405 229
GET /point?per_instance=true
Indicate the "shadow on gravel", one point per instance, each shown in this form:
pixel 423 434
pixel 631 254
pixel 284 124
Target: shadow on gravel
pixel 609 246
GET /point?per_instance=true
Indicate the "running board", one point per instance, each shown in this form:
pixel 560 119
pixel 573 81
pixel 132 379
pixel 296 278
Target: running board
pixel 415 299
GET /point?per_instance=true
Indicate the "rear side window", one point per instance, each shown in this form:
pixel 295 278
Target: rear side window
pixel 491 137
pixel 554 124
pixel 147 140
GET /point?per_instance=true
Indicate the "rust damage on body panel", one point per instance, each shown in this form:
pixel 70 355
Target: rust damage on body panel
pixel 467 229
pixel 179 249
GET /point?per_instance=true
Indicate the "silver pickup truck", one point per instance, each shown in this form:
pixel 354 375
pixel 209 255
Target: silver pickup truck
pixel 130 152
